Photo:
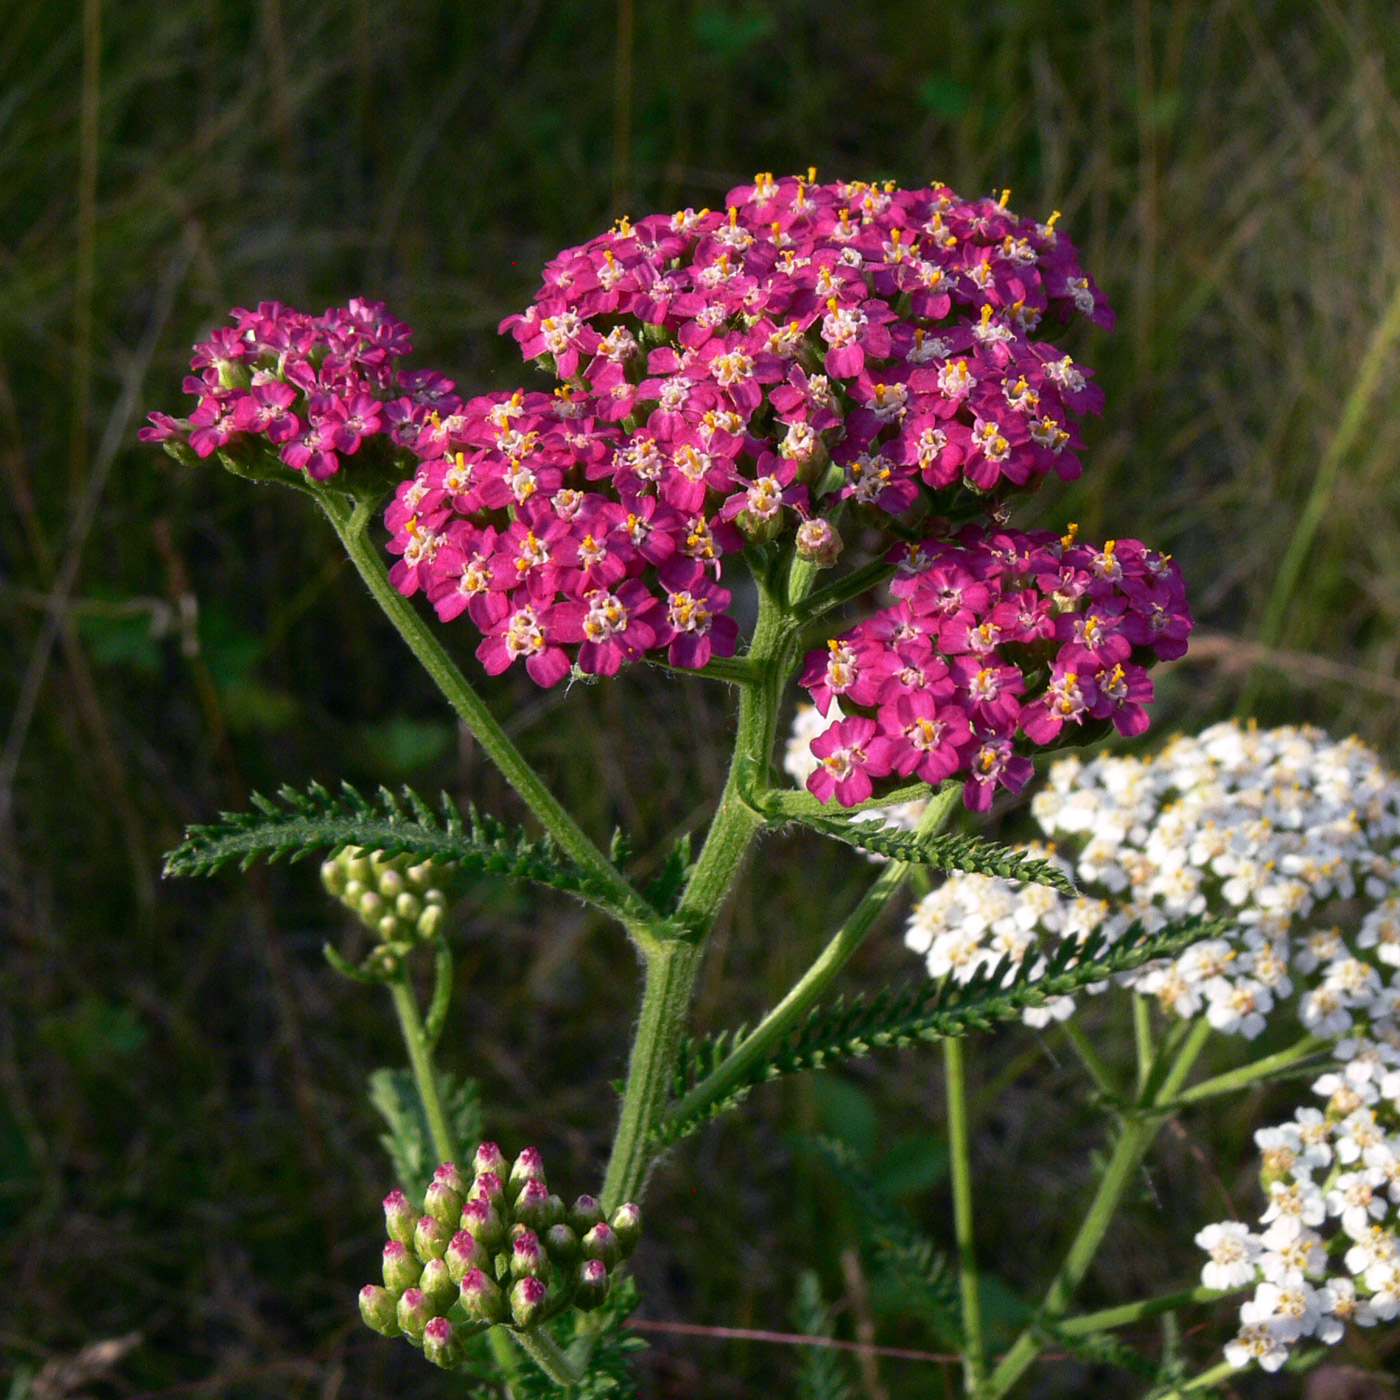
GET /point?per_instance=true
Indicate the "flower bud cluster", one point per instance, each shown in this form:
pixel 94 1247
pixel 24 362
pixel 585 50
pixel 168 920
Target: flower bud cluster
pixel 313 388
pixel 501 1249
pixel 996 642
pixel 400 901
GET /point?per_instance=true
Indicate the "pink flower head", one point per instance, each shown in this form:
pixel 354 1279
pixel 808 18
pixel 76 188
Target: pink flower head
pixel 852 753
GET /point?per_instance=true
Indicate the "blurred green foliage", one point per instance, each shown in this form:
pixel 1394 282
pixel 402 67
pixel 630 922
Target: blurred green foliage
pixel 185 1146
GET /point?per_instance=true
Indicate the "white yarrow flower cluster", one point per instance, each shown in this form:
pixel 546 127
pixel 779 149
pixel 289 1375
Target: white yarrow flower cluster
pixel 1294 840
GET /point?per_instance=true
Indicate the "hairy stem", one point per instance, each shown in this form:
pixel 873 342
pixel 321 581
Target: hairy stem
pixel 544 1351
pixel 351 524
pixel 960 1159
pixel 672 964
pixel 813 984
pixel 420 1058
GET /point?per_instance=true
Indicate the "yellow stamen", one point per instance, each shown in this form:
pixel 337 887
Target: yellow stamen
pixel 733 215
pixel 1005 195
pixel 1068 538
pixel 986 314
pixel 1050 222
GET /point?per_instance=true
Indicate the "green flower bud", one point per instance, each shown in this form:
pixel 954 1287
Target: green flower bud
pixel 443 1204
pixel 438 1286
pixel 490 1158
pixel 430 1238
pixel 562 1244
pixel 482 1299
pixel 388 929
pixel 357 866
pixel 759 529
pixel 818 541
pixel 601 1243
pixel 487 1187
pixel 379 1308
pixel 464 1254
pixel 527 1256
pixel 591 1284
pixel 441 1344
pixel 449 1175
pixel 627 1227
pixel 527 1298
pixel 408 906
pixel 480 1221
pixel 399 1217
pixel 369 907
pixel 333 877
pixel 401 1268
pixel 389 882
pixel 414 1312
pixel 535 1207
pixel 529 1166
pixel 430 922
pixel 584 1214
pixel 420 876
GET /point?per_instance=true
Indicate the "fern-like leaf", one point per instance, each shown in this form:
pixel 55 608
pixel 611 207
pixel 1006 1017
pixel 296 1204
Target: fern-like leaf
pixel 299 824
pixel 822 1375
pixel 947 851
pixel 903 1013
pixel 926 1280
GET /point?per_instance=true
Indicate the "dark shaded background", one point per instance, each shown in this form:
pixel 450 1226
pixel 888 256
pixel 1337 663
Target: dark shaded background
pixel 185 1150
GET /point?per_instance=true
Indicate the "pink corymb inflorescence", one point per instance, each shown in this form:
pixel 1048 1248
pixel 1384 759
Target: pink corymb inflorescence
pixel 810 353
pixel 995 636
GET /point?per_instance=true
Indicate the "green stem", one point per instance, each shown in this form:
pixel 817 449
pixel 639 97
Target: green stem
pixel 545 1352
pixel 1248 1074
pixel 442 994
pixel 775 1026
pixel 960 1157
pixel 1136 1135
pixel 351 524
pixel 843 589
pixel 782 803
pixel 1142 1041
pixel 670 979
pixel 1089 1058
pixel 1125 1315
pixel 420 1058
pixel 1217 1373
pixel 671 966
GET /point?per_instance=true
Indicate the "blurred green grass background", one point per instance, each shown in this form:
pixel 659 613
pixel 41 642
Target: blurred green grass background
pixel 185 1151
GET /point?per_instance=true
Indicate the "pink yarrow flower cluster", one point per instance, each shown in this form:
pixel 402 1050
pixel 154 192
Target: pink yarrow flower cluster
pixel 315 388
pixel 996 642
pixel 716 365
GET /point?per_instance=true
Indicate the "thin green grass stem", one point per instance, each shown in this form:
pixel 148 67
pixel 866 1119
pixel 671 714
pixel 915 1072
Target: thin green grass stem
pixel 1142 1041
pixel 813 984
pixel 1349 425
pixel 351 524
pixel 960 1159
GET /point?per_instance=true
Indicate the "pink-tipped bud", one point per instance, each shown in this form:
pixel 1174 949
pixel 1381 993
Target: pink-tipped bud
pixel 437 1285
pixel 592 1284
pixel 490 1158
pixel 401 1267
pixel 448 1174
pixel 443 1203
pixel 527 1257
pixel 482 1299
pixel 626 1225
pixel 480 1221
pixel 529 1166
pixel 561 1244
pixel 441 1345
pixel 414 1312
pixel 430 1238
pixel 535 1207
pixel 488 1187
pixel 818 542
pixel 399 1217
pixel 585 1213
pixel 601 1243
pixel 463 1254
pixel 527 1301
pixel 380 1309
